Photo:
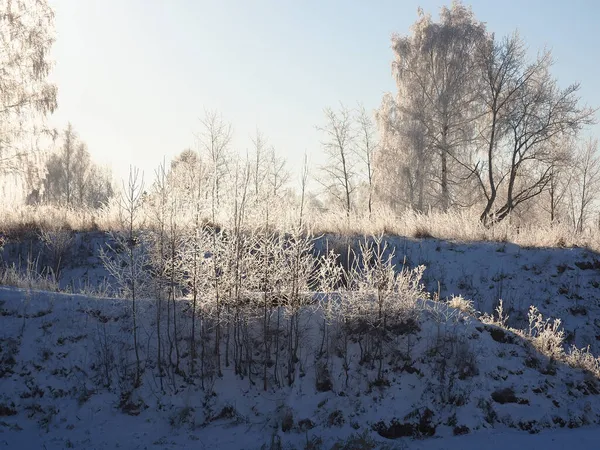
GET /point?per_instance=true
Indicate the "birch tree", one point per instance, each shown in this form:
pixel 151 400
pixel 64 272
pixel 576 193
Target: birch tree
pixel 403 164
pixel 26 95
pixel 437 86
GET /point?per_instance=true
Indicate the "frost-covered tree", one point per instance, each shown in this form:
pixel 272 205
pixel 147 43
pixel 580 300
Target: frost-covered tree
pixel 525 116
pixel 214 140
pixel 188 177
pixel 435 107
pixel 585 186
pixel 72 179
pixel 26 95
pixel 404 166
pixel 338 175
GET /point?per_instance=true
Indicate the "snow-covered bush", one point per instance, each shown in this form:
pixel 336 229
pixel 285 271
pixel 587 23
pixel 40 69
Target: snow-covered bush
pixel 545 334
pixel 462 304
pixel 583 359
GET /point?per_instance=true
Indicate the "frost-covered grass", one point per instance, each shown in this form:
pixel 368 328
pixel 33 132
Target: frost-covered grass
pixel 456 226
pixel 19 220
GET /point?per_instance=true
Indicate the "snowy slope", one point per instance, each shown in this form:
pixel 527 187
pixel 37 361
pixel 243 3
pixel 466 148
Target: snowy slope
pixel 53 395
pixel 562 282
pixel 450 375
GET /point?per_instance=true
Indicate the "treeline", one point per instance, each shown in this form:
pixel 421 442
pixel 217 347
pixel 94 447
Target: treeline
pixel 478 122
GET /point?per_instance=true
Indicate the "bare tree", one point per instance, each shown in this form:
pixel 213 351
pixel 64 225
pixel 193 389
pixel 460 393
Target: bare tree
pixel 268 176
pixel 59 178
pixel 259 164
pixel 303 185
pixel 214 140
pixel 526 115
pixel 559 182
pixel 560 178
pixel 339 173
pixel 81 173
pixel 278 175
pixel 585 187
pixel 366 148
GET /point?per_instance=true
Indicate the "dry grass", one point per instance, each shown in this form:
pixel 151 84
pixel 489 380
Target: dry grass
pixel 547 336
pixel 28 279
pixel 456 226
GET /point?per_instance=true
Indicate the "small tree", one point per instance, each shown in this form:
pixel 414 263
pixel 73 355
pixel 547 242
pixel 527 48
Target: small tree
pixel 299 268
pixel 366 148
pixel 338 175
pixel 127 259
pixel 585 187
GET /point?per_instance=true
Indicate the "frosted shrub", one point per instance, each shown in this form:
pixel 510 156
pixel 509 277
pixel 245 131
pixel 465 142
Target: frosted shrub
pixel 546 335
pixel 462 304
pixel 500 319
pixel 28 278
pixel 59 244
pixel 583 359
pixel 386 291
pixel 386 299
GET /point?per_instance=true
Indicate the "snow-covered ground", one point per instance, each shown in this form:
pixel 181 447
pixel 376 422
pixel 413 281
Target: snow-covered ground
pixel 129 433
pixel 52 390
pixel 561 282
pixel 583 438
pixel 451 375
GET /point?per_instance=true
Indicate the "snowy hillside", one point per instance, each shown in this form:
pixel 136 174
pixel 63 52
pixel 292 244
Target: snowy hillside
pixel 437 375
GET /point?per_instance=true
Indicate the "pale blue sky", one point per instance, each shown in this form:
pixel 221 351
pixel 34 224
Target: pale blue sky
pixel 134 76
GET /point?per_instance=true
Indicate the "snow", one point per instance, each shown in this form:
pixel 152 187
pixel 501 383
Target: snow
pixel 582 438
pixel 55 382
pixel 556 280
